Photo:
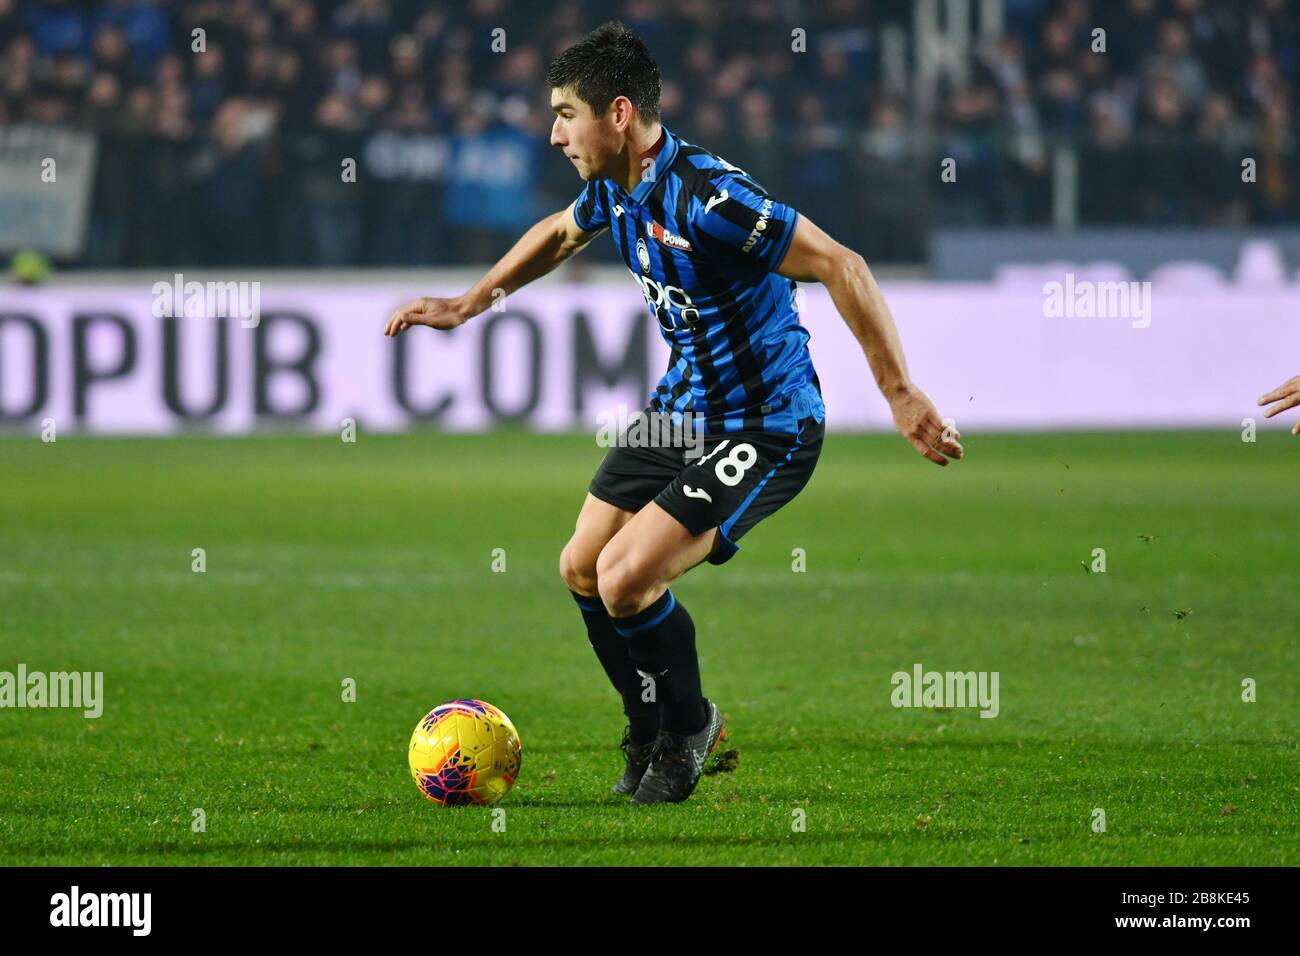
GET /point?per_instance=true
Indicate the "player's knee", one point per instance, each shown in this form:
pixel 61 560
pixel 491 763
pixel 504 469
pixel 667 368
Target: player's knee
pixel 578 571
pixel 619 585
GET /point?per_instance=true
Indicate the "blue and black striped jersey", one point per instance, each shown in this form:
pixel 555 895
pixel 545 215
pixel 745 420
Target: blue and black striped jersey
pixel 704 241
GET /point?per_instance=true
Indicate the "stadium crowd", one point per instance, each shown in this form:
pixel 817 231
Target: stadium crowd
pixel 226 146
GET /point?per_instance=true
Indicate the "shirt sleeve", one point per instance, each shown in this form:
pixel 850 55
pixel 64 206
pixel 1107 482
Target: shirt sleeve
pixel 741 220
pixel 590 212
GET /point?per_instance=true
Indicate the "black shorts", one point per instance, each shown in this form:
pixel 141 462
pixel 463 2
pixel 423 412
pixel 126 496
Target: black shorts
pixel 733 483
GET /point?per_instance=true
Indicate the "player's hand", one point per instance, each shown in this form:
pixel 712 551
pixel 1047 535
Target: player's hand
pixel 435 313
pixel 1286 395
pixel 918 421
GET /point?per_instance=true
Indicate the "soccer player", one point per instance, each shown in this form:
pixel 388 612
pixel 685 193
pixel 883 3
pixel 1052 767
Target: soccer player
pixel 717 260
pixel 1286 395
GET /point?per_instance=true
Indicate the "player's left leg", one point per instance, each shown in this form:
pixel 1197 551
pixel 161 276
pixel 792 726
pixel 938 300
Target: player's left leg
pixel 633 573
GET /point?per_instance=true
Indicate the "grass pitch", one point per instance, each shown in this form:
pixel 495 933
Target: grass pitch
pixel 1119 691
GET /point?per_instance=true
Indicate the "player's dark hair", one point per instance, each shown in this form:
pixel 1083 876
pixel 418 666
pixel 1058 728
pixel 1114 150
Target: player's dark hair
pixel 609 62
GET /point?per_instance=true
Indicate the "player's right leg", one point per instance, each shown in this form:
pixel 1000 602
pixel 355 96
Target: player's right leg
pixel 628 478
pixel 598 521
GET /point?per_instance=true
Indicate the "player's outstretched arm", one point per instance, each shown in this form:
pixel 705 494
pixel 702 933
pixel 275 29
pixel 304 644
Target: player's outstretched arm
pixel 814 256
pixel 1286 395
pixel 539 250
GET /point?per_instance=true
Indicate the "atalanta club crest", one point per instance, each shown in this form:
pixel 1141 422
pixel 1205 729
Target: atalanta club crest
pixel 643 255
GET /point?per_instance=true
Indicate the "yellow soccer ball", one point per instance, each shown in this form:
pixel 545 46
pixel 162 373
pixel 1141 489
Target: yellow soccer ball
pixel 464 751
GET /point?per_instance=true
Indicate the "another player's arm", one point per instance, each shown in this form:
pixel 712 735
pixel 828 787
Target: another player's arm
pixel 1286 395
pixel 538 251
pixel 814 256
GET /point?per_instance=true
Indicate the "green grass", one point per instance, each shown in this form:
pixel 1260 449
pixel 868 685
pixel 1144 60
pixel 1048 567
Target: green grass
pixel 372 561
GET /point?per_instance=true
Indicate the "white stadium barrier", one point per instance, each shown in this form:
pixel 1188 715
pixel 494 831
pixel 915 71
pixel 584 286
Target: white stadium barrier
pixel 99 357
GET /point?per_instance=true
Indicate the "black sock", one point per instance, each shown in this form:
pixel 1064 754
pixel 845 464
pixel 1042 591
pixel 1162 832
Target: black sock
pixel 661 640
pixel 612 650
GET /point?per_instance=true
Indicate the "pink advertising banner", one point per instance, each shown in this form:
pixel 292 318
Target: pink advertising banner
pixel 1067 355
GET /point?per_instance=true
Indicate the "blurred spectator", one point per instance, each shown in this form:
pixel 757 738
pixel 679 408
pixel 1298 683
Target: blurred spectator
pixel 224 125
pixel 490 184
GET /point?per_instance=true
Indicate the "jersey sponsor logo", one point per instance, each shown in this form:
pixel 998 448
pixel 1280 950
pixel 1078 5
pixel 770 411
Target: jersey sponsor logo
pixel 671 305
pixel 643 255
pixel 714 200
pixel 666 238
pixel 759 227
pixel 618 210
